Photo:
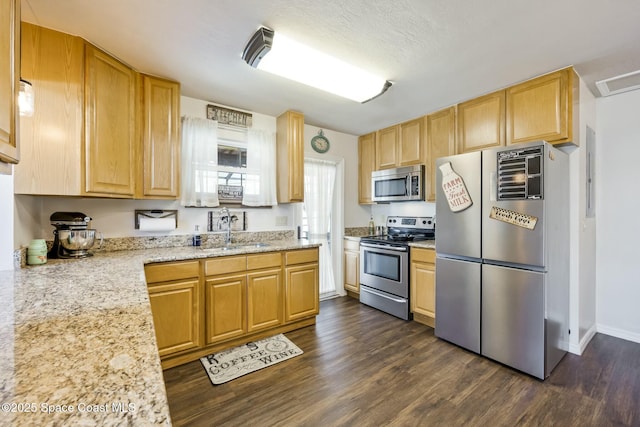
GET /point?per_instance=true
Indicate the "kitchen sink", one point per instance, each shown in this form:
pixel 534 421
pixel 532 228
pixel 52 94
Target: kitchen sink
pixel 243 246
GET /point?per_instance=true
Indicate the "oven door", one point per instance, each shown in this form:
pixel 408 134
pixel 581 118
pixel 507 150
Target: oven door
pixel 385 268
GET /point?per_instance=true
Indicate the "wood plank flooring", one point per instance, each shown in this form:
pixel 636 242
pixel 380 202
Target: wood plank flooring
pixel 362 367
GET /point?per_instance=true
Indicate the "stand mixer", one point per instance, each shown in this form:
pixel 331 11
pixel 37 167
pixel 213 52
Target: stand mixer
pixel 72 237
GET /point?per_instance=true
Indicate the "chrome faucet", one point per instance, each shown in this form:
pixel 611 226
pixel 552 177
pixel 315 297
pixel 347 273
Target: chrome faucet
pixel 227 236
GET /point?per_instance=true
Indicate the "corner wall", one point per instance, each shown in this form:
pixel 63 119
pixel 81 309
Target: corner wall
pixel 618 205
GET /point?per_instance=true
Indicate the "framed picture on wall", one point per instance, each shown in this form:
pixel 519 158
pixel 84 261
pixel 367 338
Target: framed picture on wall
pixel 219 222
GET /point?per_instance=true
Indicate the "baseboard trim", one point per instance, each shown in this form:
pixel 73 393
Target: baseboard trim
pixel 619 333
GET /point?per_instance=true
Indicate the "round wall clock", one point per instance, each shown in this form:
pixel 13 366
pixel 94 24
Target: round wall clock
pixel 320 143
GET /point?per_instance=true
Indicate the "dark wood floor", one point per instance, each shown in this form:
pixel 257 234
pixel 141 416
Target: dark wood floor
pixel 362 367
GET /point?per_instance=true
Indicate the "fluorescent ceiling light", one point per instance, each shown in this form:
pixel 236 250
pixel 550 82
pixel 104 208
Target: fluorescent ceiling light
pixel 280 55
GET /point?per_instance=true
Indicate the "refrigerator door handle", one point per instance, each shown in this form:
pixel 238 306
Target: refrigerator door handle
pixel 493 186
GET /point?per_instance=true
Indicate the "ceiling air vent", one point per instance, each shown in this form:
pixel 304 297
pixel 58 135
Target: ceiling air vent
pixel 619 84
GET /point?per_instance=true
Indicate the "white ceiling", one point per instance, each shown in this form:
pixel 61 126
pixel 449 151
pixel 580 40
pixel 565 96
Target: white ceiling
pixel 436 52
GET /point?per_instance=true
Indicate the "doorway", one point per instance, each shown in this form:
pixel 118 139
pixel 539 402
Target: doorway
pixel 322 219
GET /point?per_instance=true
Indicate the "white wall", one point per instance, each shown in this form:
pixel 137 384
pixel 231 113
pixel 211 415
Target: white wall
pixel 618 171
pixel 343 147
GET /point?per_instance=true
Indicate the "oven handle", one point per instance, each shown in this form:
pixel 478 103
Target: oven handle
pixel 386 247
pixel 387 296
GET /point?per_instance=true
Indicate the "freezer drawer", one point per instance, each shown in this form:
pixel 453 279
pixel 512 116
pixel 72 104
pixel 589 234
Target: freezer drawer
pixel 513 318
pixel 458 302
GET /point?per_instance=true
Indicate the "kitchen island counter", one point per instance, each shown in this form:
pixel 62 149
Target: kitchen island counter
pixel 77 343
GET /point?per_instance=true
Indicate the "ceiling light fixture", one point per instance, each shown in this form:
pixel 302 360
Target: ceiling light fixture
pixel 280 55
pixel 25 99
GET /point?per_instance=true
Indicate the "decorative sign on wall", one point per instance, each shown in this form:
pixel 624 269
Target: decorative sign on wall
pixel 226 116
pixel 513 217
pixel 218 222
pixel 454 189
pixel 230 193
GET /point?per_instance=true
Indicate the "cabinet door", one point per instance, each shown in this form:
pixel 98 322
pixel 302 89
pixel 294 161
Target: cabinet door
pixel 387 147
pixel 51 139
pixel 302 292
pixel 290 156
pixel 161 138
pixel 352 271
pixel 441 142
pixel 366 165
pixel 225 312
pixel 541 109
pixel 264 299
pixel 110 132
pixel 9 79
pixel 481 122
pixel 424 289
pixel 411 148
pixel 176 310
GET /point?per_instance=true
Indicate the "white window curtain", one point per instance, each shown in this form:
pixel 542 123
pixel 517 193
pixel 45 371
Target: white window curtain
pixel 319 180
pixel 199 162
pixel 260 186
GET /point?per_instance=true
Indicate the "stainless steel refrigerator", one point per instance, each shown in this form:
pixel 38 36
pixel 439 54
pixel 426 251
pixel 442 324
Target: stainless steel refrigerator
pixel 502 265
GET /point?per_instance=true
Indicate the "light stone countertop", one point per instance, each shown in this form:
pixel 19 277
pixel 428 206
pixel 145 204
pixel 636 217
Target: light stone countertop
pixel 424 244
pixel 77 343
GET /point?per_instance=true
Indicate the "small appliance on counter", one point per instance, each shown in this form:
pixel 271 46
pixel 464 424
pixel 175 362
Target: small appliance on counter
pixel 72 237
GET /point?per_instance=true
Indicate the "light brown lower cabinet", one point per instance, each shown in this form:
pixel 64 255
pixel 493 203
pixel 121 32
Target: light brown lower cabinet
pixel 302 284
pixel 175 295
pixel 423 285
pixel 351 258
pixel 200 307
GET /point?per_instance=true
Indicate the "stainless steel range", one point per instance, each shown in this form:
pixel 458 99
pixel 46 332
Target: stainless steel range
pixel 384 264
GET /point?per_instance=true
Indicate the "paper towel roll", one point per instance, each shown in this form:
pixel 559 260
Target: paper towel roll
pixel 157 224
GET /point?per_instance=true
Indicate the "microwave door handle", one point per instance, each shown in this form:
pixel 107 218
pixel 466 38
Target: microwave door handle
pixel 407 185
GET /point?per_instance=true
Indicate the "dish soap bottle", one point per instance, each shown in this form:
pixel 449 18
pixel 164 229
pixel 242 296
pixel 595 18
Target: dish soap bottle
pixel 372 227
pixel 196 240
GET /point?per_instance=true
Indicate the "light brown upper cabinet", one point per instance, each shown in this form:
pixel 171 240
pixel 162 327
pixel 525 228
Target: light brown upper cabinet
pixel 99 128
pixel 51 139
pixel 542 108
pixel 290 156
pixel 387 147
pixel 9 79
pixel 366 165
pixel 110 126
pixel 160 175
pixel 481 122
pixel 400 145
pixel 441 141
pixel 410 147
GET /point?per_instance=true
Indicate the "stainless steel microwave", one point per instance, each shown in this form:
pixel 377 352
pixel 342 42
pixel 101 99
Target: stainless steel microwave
pixel 398 184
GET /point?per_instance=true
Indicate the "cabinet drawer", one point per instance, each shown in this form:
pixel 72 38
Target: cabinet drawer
pixel 271 259
pixel 168 271
pixel 301 256
pixel 423 255
pixel 224 265
pixel 351 245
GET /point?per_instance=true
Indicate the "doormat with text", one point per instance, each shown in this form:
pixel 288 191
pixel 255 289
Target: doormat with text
pixel 236 362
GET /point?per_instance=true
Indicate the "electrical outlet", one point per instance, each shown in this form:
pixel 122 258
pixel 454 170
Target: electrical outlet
pixel 282 220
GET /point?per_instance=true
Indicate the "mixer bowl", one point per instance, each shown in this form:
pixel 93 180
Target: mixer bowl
pixel 77 240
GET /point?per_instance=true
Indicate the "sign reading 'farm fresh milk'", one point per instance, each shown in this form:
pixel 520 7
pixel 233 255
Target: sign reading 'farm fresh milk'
pixel 454 189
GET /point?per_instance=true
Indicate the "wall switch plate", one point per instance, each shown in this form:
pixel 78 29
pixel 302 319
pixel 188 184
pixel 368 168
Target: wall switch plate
pixel 282 220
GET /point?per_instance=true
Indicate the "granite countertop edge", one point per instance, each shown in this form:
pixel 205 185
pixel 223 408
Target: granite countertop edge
pixel 77 342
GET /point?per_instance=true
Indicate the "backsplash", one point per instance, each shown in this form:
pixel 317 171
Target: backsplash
pixel 168 241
